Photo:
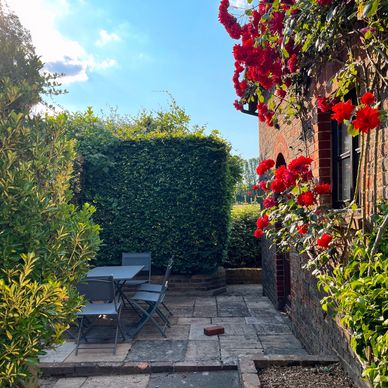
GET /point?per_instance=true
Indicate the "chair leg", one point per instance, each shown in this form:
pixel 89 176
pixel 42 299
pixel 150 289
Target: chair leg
pixel 147 315
pixel 79 335
pixel 163 317
pixel 116 335
pixel 119 325
pixel 168 310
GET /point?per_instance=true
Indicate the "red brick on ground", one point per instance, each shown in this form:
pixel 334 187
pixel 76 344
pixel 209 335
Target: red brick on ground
pixel 214 330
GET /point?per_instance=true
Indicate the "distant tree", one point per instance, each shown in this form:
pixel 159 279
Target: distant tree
pixel 21 70
pixel 249 175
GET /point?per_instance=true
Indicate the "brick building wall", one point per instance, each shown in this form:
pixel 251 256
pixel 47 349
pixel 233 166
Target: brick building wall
pixel 318 333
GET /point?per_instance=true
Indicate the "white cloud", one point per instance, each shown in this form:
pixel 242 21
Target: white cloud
pixel 106 37
pixel 239 3
pixel 61 54
pixel 106 64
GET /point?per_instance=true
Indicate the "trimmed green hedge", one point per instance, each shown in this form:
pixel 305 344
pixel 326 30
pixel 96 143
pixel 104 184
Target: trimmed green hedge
pixel 165 193
pixel 243 249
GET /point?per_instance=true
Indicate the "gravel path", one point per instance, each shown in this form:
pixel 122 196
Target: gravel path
pixel 306 377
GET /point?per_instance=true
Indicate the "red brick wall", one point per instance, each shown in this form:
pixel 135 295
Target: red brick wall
pixel 318 332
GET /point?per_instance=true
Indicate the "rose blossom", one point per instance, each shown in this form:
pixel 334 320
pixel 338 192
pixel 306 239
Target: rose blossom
pixel 368 98
pixel 342 111
pixel 366 119
pixel 262 222
pixel 324 240
pixel 258 233
pixel 306 199
pixel 264 166
pixel 269 202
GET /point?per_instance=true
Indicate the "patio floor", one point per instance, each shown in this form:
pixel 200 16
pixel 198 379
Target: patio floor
pixel 252 326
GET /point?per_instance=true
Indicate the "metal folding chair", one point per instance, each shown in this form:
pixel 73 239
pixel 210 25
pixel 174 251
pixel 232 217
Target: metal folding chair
pixel 153 300
pixel 144 259
pixel 152 287
pixel 101 299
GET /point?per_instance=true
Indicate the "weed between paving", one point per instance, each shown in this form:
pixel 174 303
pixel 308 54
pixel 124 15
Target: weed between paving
pixel 307 377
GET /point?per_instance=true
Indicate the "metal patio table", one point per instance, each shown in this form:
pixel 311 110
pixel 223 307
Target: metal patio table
pixel 120 274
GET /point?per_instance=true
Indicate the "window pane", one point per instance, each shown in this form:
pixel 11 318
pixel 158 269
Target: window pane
pixel 345 184
pixel 345 140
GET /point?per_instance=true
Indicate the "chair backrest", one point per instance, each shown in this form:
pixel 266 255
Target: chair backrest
pixel 142 258
pixel 168 270
pixel 97 289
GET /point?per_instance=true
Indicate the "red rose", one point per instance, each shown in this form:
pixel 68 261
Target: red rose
pixel 323 104
pixel 306 199
pixel 291 63
pixel 302 229
pixel 238 105
pixel 300 165
pixel 277 186
pixel 263 186
pixel 368 98
pixel 269 202
pixel 324 240
pixel 322 188
pixel 264 166
pixel 286 176
pixel 280 93
pixel 366 119
pixel 249 193
pixel 258 233
pixel 262 222
pixel 342 111
pixel 255 187
pixel 324 2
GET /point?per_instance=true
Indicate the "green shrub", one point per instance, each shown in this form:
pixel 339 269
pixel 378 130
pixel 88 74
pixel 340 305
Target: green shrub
pixel 243 248
pixel 166 194
pixel 158 185
pixel 45 241
pixel 36 218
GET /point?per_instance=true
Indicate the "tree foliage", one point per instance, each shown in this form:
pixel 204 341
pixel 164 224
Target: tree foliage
pixel 46 242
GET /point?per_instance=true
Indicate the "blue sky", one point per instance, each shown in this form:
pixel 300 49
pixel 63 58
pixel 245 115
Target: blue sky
pixel 125 53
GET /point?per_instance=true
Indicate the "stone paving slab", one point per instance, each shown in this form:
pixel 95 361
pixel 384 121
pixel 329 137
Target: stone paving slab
pixel 72 382
pixel 59 353
pixel 227 379
pixel 203 350
pixel 129 381
pixel 158 350
pixel 206 379
pixel 104 352
pixel 196 333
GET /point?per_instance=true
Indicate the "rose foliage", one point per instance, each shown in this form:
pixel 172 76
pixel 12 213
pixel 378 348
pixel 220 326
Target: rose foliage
pixel 352 268
pixel 283 44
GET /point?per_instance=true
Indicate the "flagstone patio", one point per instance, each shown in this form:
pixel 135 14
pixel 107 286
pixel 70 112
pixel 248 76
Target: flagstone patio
pixel 252 326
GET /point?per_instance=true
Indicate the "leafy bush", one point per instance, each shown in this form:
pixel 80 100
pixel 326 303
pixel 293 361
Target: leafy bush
pixel 31 313
pixel 358 292
pixel 243 247
pixel 164 191
pixel 45 241
pixel 37 218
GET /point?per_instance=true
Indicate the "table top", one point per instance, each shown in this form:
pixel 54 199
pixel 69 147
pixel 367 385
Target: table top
pixel 118 272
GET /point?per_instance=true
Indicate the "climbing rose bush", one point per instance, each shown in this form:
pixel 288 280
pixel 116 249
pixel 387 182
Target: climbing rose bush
pixel 361 118
pixel 295 212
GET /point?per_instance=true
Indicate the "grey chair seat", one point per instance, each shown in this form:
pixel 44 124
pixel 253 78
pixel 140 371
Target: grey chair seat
pixel 147 296
pixel 99 309
pixel 135 282
pixel 150 287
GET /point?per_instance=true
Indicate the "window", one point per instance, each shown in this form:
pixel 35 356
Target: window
pixel 346 153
